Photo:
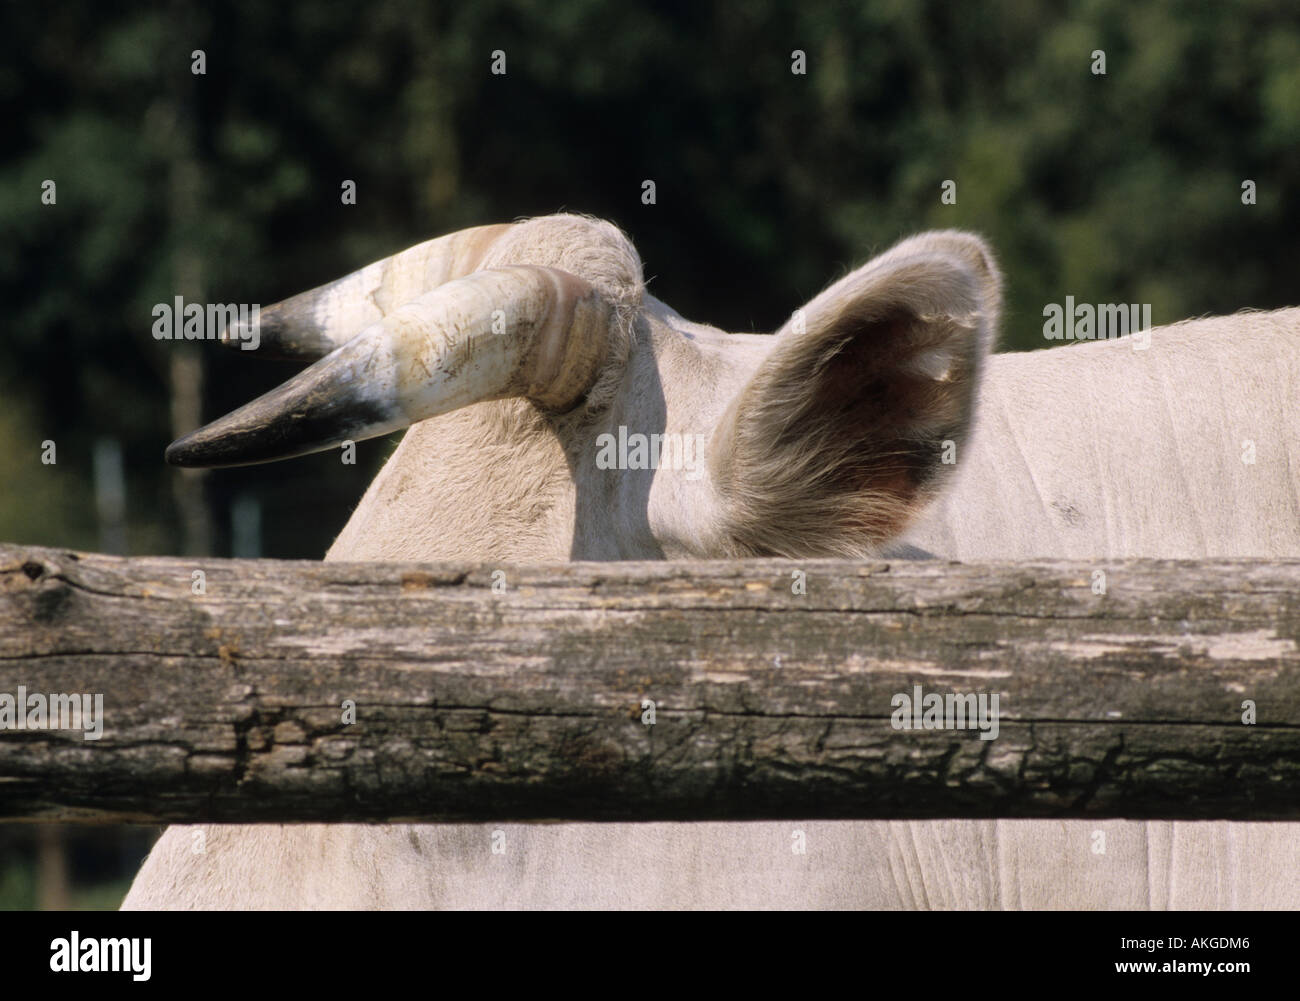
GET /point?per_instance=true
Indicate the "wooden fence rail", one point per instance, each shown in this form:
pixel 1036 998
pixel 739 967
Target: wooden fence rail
pixel 524 693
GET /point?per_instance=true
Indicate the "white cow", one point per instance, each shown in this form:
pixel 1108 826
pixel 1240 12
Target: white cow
pixel 515 347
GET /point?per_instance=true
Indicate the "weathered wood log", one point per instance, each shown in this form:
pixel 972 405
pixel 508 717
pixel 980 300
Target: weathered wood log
pixel 530 703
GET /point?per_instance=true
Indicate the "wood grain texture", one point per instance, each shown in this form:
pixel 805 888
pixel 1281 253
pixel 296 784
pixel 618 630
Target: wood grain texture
pixel 527 705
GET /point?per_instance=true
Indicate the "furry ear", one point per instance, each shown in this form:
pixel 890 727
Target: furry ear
pixel 838 440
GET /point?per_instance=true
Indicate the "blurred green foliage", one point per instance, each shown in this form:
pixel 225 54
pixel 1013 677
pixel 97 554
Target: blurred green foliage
pixel 1123 187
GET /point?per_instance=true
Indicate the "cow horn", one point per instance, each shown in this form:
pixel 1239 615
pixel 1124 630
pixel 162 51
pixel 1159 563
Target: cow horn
pixel 308 326
pixel 523 331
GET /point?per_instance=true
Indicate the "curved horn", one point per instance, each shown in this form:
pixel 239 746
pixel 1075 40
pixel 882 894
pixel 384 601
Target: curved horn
pixel 519 331
pixel 310 325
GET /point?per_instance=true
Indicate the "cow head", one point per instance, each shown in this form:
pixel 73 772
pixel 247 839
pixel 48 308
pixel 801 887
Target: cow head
pixel 558 411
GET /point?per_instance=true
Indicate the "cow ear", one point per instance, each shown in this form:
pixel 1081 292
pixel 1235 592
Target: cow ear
pixel 857 416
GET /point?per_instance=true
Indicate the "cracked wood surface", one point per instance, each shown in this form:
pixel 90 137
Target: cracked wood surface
pixel 527 705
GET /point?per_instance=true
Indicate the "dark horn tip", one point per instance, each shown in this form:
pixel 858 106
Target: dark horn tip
pixel 204 449
pixel 238 336
pixel 277 338
pixel 185 452
pixel 315 410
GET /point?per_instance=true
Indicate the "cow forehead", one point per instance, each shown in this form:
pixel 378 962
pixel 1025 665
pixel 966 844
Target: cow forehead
pixel 694 358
